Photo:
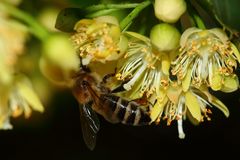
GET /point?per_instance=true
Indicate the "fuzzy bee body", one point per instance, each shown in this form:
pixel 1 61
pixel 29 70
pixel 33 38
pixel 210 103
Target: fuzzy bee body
pixel 113 108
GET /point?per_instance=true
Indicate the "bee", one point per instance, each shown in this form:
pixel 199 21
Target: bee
pixel 93 99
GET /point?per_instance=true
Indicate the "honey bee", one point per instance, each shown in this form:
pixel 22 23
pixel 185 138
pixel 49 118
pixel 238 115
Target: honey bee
pixel 114 109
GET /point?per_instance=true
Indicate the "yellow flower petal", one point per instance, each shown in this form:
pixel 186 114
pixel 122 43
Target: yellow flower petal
pixel 191 119
pixel 165 64
pixel 173 94
pixel 30 96
pixel 186 34
pixel 235 52
pixel 107 19
pixel 187 80
pixel 115 33
pixel 82 22
pixel 216 82
pixel 217 103
pixel 158 109
pixel 134 93
pixel 94 27
pixel 193 106
pixel 230 84
pixel 138 36
pixel 220 34
pixel 123 44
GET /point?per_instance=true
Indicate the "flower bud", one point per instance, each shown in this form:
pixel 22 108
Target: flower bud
pixel 169 10
pixel 165 37
pixel 59 60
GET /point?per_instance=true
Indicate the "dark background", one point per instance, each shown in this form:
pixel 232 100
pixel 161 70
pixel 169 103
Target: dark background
pixel 56 134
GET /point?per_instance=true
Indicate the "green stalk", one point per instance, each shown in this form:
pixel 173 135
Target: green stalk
pixel 111 6
pixel 195 16
pixel 199 22
pixel 101 13
pixel 127 20
pixel 34 27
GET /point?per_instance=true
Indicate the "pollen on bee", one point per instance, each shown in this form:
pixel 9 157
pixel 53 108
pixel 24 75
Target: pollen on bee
pixel 118 76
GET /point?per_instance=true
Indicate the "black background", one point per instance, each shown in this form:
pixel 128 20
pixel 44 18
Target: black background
pixel 56 134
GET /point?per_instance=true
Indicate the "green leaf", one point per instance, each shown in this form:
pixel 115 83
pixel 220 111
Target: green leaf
pixel 67 18
pixel 228 12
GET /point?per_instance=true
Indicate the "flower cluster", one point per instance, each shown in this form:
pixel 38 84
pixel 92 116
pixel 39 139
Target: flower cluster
pixel 17 95
pixel 142 68
pixel 207 57
pixel 199 59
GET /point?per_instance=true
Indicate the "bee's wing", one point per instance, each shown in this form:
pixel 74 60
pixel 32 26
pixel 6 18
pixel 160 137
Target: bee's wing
pixel 90 125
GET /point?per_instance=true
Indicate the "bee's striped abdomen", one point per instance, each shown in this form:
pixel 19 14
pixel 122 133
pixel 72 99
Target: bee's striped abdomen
pixel 126 112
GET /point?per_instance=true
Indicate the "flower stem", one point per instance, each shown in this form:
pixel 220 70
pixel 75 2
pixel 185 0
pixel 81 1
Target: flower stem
pixel 127 20
pixel 195 16
pixel 100 13
pixel 34 27
pixel 199 22
pixel 111 6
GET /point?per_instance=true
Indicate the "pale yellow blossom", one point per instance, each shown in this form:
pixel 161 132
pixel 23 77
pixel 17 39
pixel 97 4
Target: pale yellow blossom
pixel 143 70
pixel 207 57
pixel 194 104
pixel 98 39
pixel 16 93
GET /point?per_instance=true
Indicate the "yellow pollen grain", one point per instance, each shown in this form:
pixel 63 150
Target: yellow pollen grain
pixel 169 122
pixel 178 117
pixel 193 43
pixel 209 111
pixel 157 121
pixel 17 112
pixel 144 50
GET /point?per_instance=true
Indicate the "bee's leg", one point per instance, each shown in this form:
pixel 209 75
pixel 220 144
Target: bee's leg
pixel 104 82
pixel 106 77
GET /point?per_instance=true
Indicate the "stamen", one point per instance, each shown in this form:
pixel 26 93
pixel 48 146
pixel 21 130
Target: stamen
pixel 128 85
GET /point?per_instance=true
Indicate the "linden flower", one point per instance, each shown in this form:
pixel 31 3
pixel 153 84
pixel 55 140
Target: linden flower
pixel 141 70
pixel 16 93
pixel 207 57
pixel 98 39
pixel 193 104
pixel 17 98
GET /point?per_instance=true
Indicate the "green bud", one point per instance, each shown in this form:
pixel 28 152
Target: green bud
pixel 165 37
pixel 59 60
pixel 169 10
pixel 48 16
